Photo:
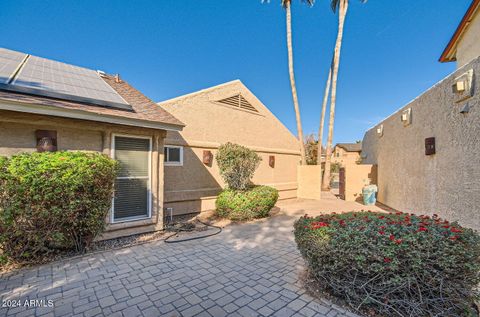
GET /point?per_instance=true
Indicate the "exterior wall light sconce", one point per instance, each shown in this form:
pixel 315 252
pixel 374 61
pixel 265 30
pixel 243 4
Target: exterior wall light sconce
pixel 429 146
pixel 380 130
pixel 46 140
pixel 406 117
pixel 462 86
pixel 207 157
pixel 271 161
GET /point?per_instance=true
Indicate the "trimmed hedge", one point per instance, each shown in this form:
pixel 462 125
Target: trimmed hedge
pixel 53 201
pixel 396 264
pixel 255 202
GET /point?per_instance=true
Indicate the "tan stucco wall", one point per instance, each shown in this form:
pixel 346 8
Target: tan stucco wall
pixel 193 186
pixel 468 46
pixel 447 183
pixel 358 176
pixel 17 135
pixel 309 181
pixel 343 157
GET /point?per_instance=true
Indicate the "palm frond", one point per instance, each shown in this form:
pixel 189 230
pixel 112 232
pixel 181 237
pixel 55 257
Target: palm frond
pixel 308 2
pixel 334 4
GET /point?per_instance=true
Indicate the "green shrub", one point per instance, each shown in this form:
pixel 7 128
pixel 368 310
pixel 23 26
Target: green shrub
pixel 51 201
pixel 237 165
pixel 253 203
pixel 396 264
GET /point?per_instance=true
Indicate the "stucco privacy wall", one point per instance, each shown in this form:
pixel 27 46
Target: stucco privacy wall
pixel 358 176
pixel 309 181
pixel 446 183
pixel 17 135
pixel 469 45
pixel 193 186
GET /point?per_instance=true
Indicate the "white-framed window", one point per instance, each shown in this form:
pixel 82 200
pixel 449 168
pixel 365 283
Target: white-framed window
pixel 133 197
pixel 173 155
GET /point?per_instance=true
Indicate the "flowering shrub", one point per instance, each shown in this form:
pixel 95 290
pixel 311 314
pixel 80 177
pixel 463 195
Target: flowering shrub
pixel 255 202
pixel 394 263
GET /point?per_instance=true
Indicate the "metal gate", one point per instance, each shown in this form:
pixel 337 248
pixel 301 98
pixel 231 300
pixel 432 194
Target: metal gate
pixel 341 183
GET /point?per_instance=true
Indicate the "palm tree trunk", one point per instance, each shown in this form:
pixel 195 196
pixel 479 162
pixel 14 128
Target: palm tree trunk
pixel 292 83
pixel 336 62
pixel 322 118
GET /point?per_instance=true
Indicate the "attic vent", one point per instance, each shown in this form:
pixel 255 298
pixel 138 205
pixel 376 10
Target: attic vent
pixel 239 102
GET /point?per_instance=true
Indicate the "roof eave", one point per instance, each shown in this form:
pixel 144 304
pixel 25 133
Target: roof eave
pixel 449 53
pixel 86 115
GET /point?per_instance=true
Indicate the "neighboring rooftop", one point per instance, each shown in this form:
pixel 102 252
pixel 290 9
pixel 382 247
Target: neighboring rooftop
pixel 38 85
pixel 350 147
pixel 450 52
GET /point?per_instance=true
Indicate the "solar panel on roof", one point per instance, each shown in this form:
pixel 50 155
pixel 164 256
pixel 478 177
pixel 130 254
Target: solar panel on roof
pixel 44 77
pixel 9 61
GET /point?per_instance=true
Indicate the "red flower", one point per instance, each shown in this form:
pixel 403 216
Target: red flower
pixel 381 217
pixel 398 241
pixel 392 237
pixel 382 227
pixel 454 238
pixel 387 260
pixel 317 225
pixel 455 230
pixel 381 232
pixel 446 226
pixel 422 229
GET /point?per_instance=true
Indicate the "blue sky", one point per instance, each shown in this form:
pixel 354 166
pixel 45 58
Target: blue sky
pixel 168 48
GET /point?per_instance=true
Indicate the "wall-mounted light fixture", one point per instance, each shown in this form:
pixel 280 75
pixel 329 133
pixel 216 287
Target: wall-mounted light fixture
pixel 462 86
pixel 207 157
pixel 271 161
pixel 46 140
pixel 380 130
pixel 406 116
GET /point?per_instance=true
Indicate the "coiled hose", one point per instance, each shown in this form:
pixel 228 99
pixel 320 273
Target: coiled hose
pixel 167 240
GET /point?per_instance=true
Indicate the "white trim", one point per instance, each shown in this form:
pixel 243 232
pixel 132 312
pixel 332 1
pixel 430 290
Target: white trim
pixel 149 188
pixel 168 163
pixel 85 115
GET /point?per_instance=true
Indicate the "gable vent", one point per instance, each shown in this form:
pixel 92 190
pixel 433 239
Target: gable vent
pixel 239 102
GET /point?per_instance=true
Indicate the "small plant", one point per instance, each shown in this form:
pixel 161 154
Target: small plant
pixel 53 201
pixel 237 165
pixel 246 205
pixel 335 168
pixel 397 264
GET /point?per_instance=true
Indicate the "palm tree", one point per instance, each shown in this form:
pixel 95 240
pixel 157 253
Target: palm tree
pixel 287 4
pixel 322 117
pixel 342 6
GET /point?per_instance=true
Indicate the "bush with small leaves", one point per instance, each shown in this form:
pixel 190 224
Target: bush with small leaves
pixel 253 203
pixel 237 165
pixel 396 264
pixel 53 201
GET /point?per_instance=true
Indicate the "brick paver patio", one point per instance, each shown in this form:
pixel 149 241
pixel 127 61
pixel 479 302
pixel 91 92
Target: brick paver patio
pixel 248 270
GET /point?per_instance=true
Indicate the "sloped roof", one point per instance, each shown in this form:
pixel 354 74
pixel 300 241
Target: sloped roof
pixel 144 112
pixel 350 147
pixel 449 54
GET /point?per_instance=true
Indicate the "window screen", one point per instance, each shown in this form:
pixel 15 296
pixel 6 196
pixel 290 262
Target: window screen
pixel 132 192
pixel 173 155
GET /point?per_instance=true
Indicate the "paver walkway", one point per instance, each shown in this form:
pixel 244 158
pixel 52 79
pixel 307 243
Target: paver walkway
pixel 248 270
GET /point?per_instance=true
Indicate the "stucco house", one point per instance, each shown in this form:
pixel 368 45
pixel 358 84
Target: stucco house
pixel 167 168
pixel 465 43
pixel 346 153
pixel 427 153
pixel 75 108
pixel 229 112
